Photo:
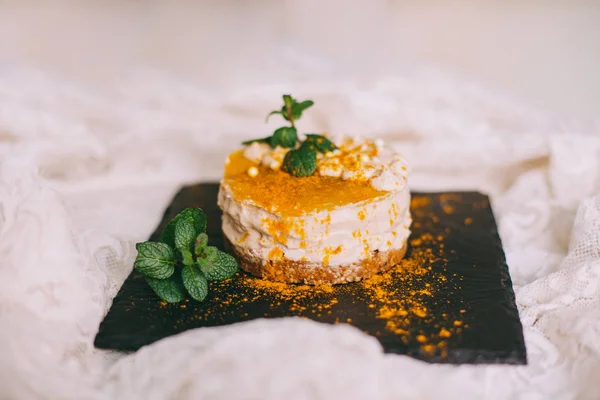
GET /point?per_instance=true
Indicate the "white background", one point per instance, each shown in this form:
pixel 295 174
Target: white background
pixel 546 52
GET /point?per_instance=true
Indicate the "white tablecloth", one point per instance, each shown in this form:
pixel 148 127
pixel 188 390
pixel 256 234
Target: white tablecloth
pixel 85 173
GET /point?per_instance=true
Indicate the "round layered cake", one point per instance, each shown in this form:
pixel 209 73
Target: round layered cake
pixel 347 221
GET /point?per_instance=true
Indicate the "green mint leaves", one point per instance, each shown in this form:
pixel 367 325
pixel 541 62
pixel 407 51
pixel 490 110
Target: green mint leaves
pixel 286 136
pixel 184 235
pixel 200 242
pixel 321 143
pixel 292 110
pixel 300 162
pixel 169 290
pixel 195 282
pixel 182 262
pixel 194 215
pixel 156 260
pixel 223 267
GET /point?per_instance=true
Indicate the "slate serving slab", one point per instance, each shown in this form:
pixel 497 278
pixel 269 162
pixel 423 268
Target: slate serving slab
pixel 450 301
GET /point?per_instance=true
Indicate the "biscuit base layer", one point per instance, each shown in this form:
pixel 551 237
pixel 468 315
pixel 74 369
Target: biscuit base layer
pixel 317 274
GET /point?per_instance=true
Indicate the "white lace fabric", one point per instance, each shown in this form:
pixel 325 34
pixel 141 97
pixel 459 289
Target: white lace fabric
pixel 85 173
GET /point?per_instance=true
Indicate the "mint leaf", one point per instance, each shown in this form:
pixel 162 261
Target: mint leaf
pixel 168 290
pixel 209 254
pixel 284 113
pixel 300 162
pixel 320 142
pixel 195 282
pixel 285 136
pixel 298 108
pixel 286 110
pixel 155 260
pixel 200 243
pixel 187 258
pixel 194 215
pixel 288 101
pixel 184 235
pixel 263 140
pixel 224 267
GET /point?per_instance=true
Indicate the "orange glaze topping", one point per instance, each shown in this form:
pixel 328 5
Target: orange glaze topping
pixel 286 195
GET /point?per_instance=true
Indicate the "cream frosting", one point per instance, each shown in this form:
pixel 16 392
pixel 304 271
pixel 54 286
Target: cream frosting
pixel 344 235
pixel 357 159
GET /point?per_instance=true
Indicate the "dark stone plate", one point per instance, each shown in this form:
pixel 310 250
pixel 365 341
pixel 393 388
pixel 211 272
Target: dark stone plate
pixel 450 301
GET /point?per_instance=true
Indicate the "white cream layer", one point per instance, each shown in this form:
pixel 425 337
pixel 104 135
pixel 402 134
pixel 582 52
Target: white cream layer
pixel 341 236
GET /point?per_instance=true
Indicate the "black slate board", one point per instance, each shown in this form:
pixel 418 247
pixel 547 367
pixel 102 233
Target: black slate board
pixel 466 290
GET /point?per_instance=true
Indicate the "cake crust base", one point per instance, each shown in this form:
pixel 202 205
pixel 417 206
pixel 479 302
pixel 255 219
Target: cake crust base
pixel 317 274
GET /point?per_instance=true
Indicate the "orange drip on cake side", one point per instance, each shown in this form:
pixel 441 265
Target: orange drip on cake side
pixel 286 195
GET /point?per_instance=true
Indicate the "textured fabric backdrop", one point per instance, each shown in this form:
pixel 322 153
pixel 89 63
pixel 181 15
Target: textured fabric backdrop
pixel 86 172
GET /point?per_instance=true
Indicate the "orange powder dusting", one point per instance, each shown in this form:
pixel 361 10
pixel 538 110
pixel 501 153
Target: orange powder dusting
pixel 448 197
pixel 409 300
pixel 403 298
pixel 286 195
pixel 448 209
pixel 394 210
pixel 327 222
pixel 416 242
pixel 328 252
pixel 428 349
pixel 280 228
pixel 277 228
pixel 302 297
pixel 299 229
pixel 445 333
pixel 366 249
pixel 419 202
pixel 362 214
pixel 243 238
pixel 275 254
pixel 420 312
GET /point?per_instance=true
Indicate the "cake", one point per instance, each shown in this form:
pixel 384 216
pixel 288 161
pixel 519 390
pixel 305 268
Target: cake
pixel 323 210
